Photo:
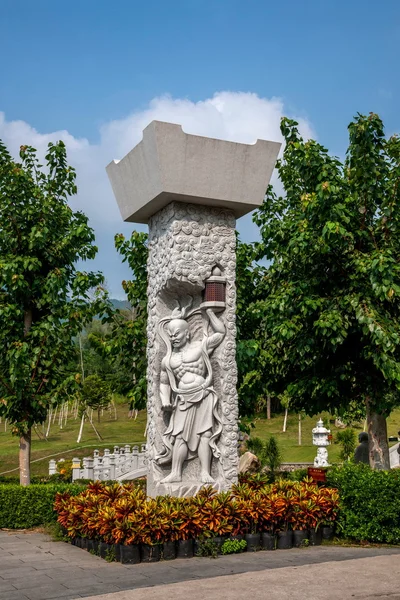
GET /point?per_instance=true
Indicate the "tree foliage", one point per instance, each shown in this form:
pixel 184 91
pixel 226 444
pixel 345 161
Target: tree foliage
pixel 95 393
pixel 126 342
pixel 44 299
pixel 329 318
pixel 348 442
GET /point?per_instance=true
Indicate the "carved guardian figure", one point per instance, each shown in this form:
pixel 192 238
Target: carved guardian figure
pixel 186 391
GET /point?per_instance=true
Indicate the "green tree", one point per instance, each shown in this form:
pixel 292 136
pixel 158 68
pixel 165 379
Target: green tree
pixel 96 394
pixel 329 320
pixel 44 299
pixel 126 343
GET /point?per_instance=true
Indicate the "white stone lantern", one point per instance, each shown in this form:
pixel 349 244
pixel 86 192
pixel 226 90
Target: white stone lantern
pixel 321 440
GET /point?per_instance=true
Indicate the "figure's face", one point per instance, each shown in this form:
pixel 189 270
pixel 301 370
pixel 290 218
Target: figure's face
pixel 178 332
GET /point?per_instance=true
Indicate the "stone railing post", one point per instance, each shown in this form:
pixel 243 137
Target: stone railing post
pixel 76 469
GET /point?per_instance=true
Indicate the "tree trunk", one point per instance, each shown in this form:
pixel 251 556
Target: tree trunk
pixel 49 423
pixel 299 429
pixel 81 354
pixel 378 442
pixel 285 420
pixel 96 432
pixel 25 458
pixel 25 438
pixel 268 406
pixel 78 441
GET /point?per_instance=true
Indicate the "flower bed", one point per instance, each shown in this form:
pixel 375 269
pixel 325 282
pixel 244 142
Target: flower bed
pixel 120 522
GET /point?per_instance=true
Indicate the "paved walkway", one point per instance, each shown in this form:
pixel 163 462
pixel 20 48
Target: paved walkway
pixel 32 567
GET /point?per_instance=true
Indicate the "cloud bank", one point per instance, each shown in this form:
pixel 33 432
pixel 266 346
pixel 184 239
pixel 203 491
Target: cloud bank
pixel 235 116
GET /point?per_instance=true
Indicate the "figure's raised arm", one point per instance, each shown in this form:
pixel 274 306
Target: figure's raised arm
pixel 215 338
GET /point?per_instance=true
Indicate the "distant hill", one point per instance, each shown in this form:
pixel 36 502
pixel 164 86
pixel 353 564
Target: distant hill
pixel 120 304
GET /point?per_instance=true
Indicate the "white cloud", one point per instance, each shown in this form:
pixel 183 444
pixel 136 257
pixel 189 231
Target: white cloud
pixel 235 116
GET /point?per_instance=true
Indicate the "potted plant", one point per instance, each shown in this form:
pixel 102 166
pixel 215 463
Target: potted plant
pixel 214 515
pixel 329 499
pixel 126 538
pixel 285 534
pixel 249 503
pixel 169 516
pixel 268 520
pixel 150 531
pixel 301 509
pixel 189 529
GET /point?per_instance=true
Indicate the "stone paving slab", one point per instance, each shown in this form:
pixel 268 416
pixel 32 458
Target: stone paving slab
pixel 374 578
pixel 32 567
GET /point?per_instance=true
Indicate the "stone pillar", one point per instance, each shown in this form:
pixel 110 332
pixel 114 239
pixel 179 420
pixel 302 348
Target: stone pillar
pixel 89 467
pixel 76 469
pixel 111 467
pixel 187 243
pixel 190 190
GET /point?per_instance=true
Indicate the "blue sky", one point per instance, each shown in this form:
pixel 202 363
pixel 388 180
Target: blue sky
pixel 98 70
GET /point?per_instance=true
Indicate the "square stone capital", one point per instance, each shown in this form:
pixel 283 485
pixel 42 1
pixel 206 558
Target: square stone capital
pixel 169 164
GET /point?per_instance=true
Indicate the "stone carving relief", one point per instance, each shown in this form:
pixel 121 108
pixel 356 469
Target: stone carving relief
pixel 192 401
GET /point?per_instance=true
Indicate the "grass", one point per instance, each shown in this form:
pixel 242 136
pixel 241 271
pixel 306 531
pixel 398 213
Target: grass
pixel 129 431
pixel 63 441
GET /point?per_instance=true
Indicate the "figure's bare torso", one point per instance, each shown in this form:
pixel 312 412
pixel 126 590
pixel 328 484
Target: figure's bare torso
pixel 188 366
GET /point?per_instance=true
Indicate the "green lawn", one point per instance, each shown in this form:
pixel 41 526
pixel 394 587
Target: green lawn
pixel 129 431
pixel 115 432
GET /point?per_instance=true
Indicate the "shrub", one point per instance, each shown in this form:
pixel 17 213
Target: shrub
pixel 347 440
pixel 272 454
pixel 369 502
pixel 298 474
pixel 267 452
pixel 25 507
pixel 233 546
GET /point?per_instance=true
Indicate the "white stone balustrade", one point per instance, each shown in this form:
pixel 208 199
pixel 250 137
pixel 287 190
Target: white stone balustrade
pixel 123 463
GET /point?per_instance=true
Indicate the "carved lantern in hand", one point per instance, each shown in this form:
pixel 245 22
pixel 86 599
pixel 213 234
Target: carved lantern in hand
pixel 214 291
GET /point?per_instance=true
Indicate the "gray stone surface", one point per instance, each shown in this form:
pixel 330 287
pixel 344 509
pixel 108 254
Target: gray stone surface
pixel 169 164
pixel 187 243
pixel 60 570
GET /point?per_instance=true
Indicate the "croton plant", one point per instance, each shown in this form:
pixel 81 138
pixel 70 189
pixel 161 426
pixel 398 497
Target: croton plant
pixel 122 514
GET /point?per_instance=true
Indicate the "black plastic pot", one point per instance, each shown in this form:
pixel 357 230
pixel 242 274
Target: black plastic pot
pixel 268 541
pixel 90 545
pixel 117 550
pixel 84 543
pixel 95 545
pixel 185 549
pixel 253 542
pixel 327 532
pixel 103 549
pixel 285 540
pixel 169 550
pixel 299 536
pixel 129 555
pixel 150 553
pixel 316 537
